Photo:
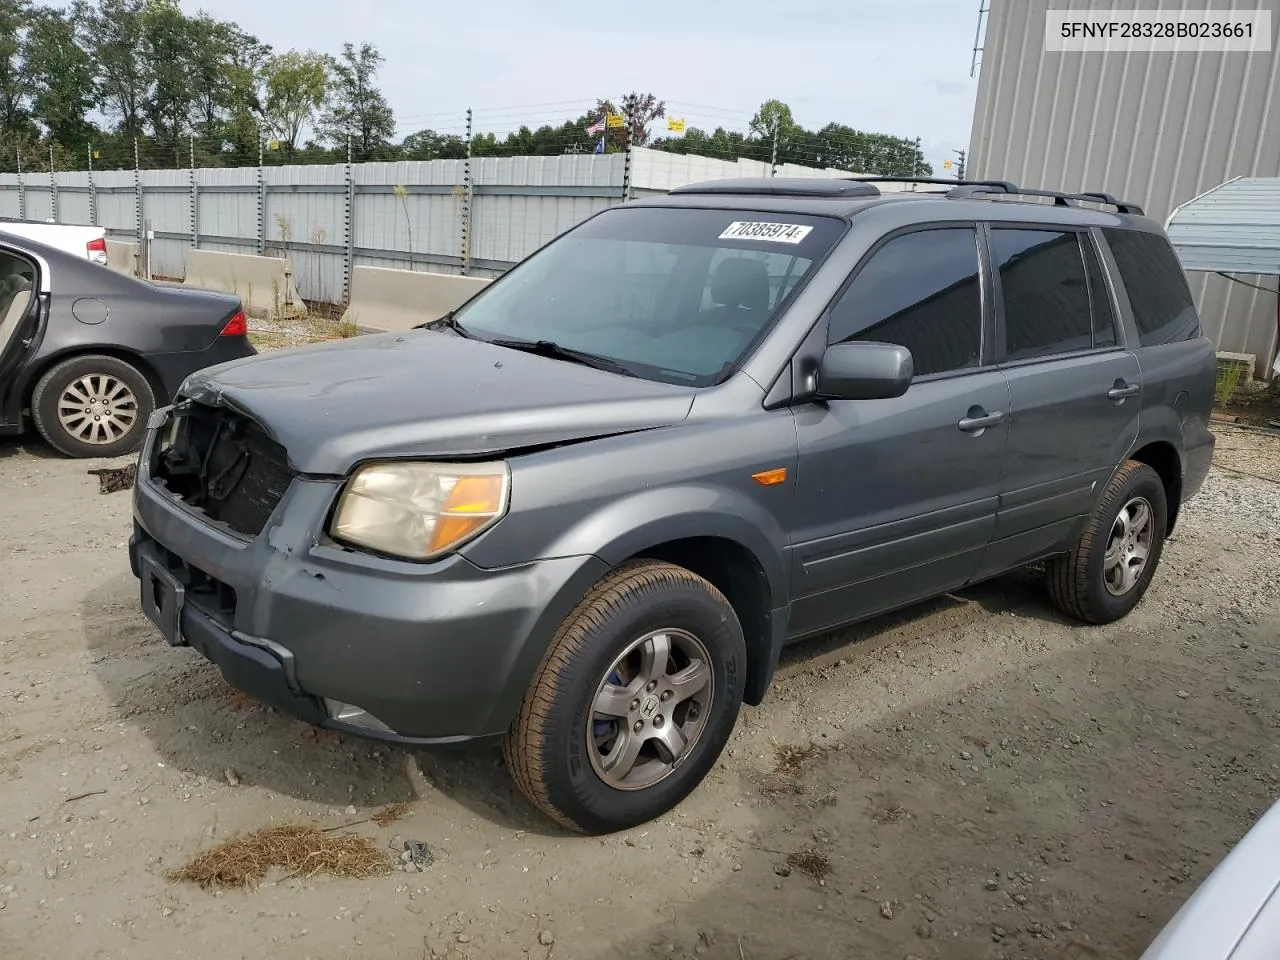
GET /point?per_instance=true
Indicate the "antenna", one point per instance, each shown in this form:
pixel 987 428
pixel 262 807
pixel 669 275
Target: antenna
pixel 983 10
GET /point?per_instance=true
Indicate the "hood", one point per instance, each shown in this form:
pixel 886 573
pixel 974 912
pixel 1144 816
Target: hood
pixel 428 394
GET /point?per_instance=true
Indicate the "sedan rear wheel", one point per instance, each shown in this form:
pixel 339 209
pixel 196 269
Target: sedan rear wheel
pixel 92 406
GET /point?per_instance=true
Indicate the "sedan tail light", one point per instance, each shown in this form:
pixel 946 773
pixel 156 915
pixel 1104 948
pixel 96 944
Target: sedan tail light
pixel 97 250
pixel 237 326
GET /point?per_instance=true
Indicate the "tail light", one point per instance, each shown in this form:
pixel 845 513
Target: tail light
pixel 97 250
pixel 237 326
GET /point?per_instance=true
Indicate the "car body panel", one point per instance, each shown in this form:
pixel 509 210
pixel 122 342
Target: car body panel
pixel 169 332
pixel 1065 439
pixel 873 504
pixel 453 397
pixel 893 501
pixel 70 238
pixel 1235 913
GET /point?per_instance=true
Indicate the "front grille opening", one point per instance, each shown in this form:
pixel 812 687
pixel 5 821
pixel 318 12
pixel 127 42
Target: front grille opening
pixel 213 596
pixel 224 465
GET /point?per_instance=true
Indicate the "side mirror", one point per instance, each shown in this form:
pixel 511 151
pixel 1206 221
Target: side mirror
pixel 864 371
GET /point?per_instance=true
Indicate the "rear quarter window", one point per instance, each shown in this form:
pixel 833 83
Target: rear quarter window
pixel 1158 293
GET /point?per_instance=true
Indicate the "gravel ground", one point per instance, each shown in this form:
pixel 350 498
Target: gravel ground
pixel 974 778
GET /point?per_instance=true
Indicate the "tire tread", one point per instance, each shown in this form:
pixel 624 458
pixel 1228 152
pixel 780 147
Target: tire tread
pixel 523 747
pixel 1067 577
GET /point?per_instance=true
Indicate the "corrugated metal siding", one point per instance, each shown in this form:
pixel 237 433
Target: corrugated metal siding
pixel 1234 228
pixel 1154 128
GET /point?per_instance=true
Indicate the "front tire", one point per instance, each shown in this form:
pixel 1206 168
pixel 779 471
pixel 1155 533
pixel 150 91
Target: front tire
pixel 633 701
pixel 92 406
pixel 1113 563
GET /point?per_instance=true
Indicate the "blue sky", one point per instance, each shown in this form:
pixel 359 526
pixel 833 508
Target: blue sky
pixel 893 66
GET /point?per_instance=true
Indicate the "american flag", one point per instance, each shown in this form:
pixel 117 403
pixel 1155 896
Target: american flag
pixel 596 128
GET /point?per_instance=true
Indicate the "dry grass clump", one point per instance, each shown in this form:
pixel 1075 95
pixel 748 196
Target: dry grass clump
pixel 791 762
pixel 811 862
pixel 390 814
pixel 246 860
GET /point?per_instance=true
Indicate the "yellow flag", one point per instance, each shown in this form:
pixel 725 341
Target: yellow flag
pixel 675 124
pixel 614 120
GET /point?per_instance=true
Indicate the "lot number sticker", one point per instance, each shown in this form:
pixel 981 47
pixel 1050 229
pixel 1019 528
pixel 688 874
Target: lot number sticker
pixel 772 232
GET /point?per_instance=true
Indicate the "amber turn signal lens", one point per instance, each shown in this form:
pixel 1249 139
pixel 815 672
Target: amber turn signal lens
pixel 472 503
pixel 769 478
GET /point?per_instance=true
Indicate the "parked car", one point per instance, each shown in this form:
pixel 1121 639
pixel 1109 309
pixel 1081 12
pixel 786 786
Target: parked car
pixel 85 353
pixel 1235 913
pixel 582 514
pixel 81 241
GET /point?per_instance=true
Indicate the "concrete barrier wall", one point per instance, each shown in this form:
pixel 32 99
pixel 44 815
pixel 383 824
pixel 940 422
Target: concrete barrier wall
pixel 122 257
pixel 264 284
pixel 385 299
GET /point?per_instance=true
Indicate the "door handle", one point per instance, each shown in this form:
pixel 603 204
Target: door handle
pixel 1122 390
pixel 980 422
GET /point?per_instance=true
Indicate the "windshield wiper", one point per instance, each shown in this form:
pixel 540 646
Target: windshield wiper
pixel 446 322
pixel 549 348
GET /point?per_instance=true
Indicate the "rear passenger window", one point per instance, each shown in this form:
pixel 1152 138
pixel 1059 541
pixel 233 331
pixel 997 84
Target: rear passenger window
pixel 1104 318
pixel 1046 295
pixel 920 291
pixel 1157 287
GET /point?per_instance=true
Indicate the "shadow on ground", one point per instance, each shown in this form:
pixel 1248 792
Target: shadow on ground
pixel 1066 810
pixel 201 725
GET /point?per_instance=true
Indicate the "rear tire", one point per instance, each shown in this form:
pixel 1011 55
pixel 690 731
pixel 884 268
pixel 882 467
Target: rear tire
pixel 1112 565
pixel 92 406
pixel 651 662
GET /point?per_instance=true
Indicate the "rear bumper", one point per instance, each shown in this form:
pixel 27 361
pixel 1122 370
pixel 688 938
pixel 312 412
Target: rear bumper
pixel 434 653
pixel 1199 457
pixel 173 368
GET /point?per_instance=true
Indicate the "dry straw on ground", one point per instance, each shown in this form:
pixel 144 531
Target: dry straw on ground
pixel 246 860
pixel 811 862
pixel 791 762
pixel 390 814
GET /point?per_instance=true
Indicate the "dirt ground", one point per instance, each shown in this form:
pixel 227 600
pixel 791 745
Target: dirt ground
pixel 986 779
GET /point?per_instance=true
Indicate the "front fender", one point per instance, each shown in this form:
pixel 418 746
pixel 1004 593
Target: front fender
pixel 626 527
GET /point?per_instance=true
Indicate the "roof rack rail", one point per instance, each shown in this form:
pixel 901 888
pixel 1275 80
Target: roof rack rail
pixel 1004 185
pixel 1060 199
pixel 839 188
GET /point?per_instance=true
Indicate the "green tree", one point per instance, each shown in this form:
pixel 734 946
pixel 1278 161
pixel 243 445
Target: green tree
pixel 15 79
pixel 169 42
pixel 62 78
pixel 295 86
pixel 429 145
pixel 356 108
pixel 112 32
pixel 774 120
pixel 224 80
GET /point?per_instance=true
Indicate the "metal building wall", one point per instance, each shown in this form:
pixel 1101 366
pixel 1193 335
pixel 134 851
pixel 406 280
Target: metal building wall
pixel 1155 128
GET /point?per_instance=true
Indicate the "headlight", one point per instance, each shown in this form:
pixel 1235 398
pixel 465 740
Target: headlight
pixel 420 510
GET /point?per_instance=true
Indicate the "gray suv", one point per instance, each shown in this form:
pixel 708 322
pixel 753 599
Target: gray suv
pixel 582 514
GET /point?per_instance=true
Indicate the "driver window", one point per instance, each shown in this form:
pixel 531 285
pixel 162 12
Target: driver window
pixel 921 291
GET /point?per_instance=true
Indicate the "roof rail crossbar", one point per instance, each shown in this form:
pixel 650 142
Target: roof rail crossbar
pixel 1060 199
pixel 795 187
pixel 1004 185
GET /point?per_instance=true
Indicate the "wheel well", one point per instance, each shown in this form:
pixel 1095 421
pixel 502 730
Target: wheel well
pixel 133 359
pixel 733 570
pixel 1163 458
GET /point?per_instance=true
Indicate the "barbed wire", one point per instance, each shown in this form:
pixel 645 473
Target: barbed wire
pixel 554 128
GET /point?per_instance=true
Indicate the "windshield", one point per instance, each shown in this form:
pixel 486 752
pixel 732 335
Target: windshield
pixel 669 294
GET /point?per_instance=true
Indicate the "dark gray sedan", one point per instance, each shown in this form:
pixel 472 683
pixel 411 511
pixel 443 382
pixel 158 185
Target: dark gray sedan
pixel 86 353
